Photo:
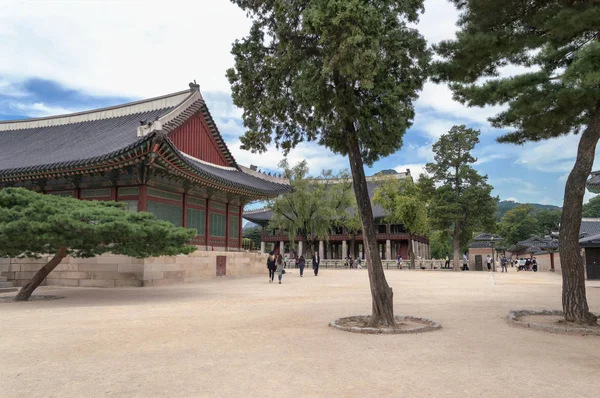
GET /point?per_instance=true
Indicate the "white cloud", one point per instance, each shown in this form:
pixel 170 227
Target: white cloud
pixel 317 157
pixel 36 109
pixel 11 89
pixel 512 199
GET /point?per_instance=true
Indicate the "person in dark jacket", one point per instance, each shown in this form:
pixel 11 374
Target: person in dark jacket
pixel 271 266
pixel 301 262
pixel 316 260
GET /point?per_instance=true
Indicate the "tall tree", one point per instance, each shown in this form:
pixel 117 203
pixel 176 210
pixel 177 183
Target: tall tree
pixel 555 92
pixel 254 234
pixel 463 201
pixel 518 224
pixel 342 73
pixel 33 224
pixel 548 220
pixel 401 200
pixel 314 206
pixel 592 208
pixel 440 243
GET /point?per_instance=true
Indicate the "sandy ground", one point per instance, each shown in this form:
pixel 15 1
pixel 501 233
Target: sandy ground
pixel 249 338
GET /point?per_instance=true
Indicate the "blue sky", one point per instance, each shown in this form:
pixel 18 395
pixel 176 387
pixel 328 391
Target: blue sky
pixel 63 61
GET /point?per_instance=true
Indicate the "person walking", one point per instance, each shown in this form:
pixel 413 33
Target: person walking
pixel 465 262
pixel 504 264
pixel 358 263
pixel 351 262
pixel 399 262
pixel 280 267
pixel 316 260
pixel 301 263
pixel 489 263
pixel 447 263
pixel 271 266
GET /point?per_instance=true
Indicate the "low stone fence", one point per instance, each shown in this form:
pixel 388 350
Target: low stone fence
pixel 121 271
pixel 387 264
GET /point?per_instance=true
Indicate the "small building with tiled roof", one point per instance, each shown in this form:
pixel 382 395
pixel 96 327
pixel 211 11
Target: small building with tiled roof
pixel 163 155
pixel 392 239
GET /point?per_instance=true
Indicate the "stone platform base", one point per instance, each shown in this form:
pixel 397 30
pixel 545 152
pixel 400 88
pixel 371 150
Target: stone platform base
pixel 121 271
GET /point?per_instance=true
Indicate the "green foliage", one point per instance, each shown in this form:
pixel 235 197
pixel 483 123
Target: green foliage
pixel 32 224
pixel 440 244
pixel 548 220
pixel 401 200
pixel 254 234
pixel 556 40
pixel 506 205
pixel 518 224
pixel 463 200
pixel 315 205
pixel 320 70
pixel 592 208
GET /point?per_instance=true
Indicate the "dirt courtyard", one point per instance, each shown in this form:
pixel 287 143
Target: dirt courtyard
pixel 249 338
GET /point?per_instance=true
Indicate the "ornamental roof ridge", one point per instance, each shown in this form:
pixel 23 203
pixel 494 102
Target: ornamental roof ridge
pixel 271 178
pixel 255 211
pixel 146 105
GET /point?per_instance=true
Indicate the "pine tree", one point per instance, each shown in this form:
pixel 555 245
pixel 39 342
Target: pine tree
pixel 463 201
pixel 557 44
pixel 342 73
pixel 33 224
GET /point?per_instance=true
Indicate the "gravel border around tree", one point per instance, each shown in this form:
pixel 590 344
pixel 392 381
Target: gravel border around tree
pixel 515 318
pixel 346 324
pixel 11 299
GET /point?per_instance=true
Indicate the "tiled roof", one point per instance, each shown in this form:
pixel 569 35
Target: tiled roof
pixel 589 226
pixel 54 143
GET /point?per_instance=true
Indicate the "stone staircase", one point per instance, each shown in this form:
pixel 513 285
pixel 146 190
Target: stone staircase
pixel 6 286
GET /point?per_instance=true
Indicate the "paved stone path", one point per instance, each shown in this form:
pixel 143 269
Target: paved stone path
pixel 249 338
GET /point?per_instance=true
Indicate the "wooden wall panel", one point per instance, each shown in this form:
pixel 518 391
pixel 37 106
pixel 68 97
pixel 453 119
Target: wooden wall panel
pixel 194 138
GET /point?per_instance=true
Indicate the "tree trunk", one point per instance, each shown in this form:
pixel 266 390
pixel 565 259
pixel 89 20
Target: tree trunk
pixel 382 295
pixel 39 277
pixel 574 300
pixel 456 246
pixel 352 247
pixel 411 252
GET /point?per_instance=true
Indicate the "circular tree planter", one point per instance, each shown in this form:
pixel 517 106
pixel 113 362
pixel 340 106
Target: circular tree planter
pixel 404 324
pixel 9 299
pixel 550 321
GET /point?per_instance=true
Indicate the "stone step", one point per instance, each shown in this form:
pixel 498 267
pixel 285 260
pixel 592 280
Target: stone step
pixel 6 284
pixel 8 289
pixel 3 279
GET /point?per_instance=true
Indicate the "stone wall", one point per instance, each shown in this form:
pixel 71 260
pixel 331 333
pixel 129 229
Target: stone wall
pixel 119 271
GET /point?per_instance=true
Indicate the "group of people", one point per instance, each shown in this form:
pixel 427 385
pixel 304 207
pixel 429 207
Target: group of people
pixel 278 264
pixel 522 264
pixel 353 263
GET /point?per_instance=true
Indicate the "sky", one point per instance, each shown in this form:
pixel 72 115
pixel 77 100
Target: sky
pixel 63 56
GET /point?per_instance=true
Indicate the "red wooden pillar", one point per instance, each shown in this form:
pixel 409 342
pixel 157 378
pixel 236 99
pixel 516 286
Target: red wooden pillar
pixel 77 193
pixel 184 210
pixel 113 194
pixel 143 199
pixel 240 230
pixel 207 224
pixel 227 227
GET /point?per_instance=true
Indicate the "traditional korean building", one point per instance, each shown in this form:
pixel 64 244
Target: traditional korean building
pixel 163 155
pixel 392 239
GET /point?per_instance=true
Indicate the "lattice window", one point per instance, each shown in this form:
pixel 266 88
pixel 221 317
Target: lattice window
pixel 66 194
pixel 167 212
pixel 234 227
pixel 129 191
pixel 217 206
pixel 217 224
pixel 95 193
pixel 197 219
pixel 196 201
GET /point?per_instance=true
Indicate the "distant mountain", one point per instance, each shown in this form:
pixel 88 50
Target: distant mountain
pixel 506 205
pixel 386 172
pixel 249 225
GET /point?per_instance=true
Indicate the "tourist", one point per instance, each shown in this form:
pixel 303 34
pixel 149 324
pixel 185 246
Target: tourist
pixel 271 266
pixel 351 263
pixel 285 259
pixel 280 266
pixel 534 266
pixel 447 263
pixel 301 263
pixel 358 263
pixel 316 260
pixel 504 264
pixel 489 263
pixel 399 262
pixel 465 262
